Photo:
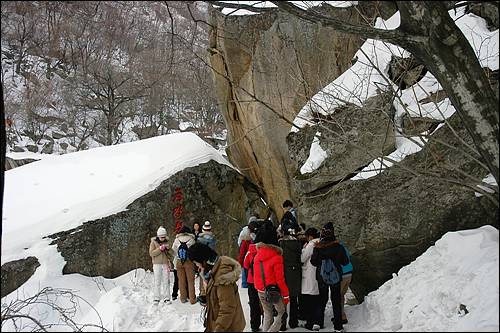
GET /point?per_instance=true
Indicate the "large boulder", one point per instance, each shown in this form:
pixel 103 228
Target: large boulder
pixel 388 220
pixel 17 272
pixel 352 137
pixel 266 67
pixel 116 244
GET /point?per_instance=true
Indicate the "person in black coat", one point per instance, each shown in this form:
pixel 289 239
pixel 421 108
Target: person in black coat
pixel 329 247
pixel 292 250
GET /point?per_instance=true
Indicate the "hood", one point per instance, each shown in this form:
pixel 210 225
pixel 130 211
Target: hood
pixel 226 271
pixel 246 234
pixel 267 251
pixel 252 248
pixel 185 236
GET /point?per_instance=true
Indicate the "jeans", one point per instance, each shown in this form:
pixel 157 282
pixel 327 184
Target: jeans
pixel 335 298
pixel 271 324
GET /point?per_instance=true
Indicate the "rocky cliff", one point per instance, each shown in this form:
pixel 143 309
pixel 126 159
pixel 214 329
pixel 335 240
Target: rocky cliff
pixel 265 69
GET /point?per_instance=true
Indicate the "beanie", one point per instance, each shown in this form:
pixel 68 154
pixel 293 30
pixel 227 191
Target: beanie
pixel 161 232
pixel 207 226
pixel 328 226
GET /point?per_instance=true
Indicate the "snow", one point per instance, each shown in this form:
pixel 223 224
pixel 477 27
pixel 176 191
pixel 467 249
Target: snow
pixel 316 156
pixel 29 155
pixel 461 268
pixel 490 180
pixel 268 4
pixel 64 191
pixel 356 84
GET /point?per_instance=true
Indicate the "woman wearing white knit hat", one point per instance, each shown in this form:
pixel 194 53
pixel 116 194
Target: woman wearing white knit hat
pixel 161 255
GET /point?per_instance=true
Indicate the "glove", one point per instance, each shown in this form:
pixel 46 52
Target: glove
pixel 286 300
pixel 163 247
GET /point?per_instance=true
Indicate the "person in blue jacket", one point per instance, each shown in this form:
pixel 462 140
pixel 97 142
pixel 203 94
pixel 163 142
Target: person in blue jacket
pixel 346 281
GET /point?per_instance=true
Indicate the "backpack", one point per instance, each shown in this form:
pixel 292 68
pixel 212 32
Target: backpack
pixel 182 252
pixel 329 272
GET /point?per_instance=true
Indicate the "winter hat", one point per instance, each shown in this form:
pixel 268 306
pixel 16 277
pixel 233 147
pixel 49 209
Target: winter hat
pixel 328 230
pixel 200 253
pixel 207 226
pixel 253 226
pixel 252 219
pixel 267 236
pixel 328 226
pixel 161 232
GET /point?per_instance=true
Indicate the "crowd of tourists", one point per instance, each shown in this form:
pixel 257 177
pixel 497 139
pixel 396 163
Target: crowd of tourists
pixel 290 272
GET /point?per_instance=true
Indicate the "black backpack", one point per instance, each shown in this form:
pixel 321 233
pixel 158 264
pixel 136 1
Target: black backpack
pixel 182 252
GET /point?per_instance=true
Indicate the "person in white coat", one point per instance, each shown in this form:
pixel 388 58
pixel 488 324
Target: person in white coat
pixel 161 255
pixel 310 299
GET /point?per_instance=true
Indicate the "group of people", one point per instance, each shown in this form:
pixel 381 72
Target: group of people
pixel 176 259
pixel 283 266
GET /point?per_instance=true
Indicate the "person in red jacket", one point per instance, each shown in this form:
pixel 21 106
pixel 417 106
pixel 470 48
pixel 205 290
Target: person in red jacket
pixel 270 255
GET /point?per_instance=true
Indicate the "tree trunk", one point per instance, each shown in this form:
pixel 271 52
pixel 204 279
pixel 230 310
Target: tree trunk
pixel 450 58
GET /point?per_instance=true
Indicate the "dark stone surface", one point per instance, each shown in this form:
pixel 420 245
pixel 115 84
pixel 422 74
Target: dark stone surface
pixel 17 272
pixel 387 221
pixel 116 244
pixel 405 72
pixel 11 163
pixel 352 137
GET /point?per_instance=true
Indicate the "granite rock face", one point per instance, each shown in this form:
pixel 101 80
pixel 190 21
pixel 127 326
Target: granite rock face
pixel 388 220
pixel 266 67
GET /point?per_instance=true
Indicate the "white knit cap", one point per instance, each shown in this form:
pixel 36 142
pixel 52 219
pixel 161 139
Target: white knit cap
pixel 161 232
pixel 207 225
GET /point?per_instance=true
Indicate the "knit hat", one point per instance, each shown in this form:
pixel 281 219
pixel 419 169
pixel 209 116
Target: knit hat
pixel 161 232
pixel 201 253
pixel 267 236
pixel 207 226
pixel 328 226
pixel 253 226
pixel 328 230
pixel 251 219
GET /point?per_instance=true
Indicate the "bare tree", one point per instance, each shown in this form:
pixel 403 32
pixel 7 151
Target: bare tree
pixel 428 32
pixel 18 315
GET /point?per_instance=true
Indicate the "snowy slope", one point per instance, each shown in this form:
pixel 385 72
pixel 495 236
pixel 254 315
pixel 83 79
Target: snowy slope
pixel 461 268
pixel 62 192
